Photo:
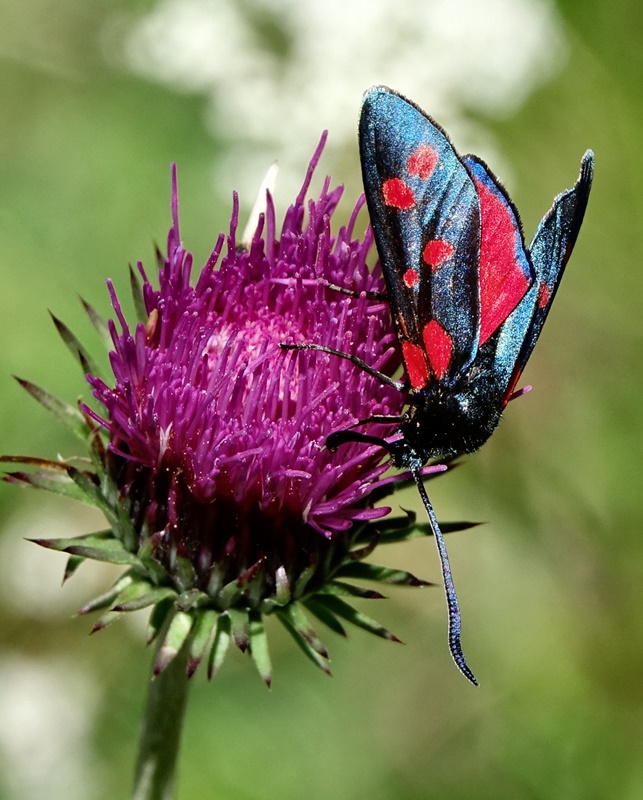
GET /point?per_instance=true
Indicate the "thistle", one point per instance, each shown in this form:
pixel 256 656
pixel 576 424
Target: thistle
pixel 207 448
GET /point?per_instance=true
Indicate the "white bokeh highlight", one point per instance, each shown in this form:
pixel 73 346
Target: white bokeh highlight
pixel 47 711
pixel 450 56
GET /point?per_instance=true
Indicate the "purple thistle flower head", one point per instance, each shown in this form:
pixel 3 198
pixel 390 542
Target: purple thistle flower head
pixel 208 449
pixel 216 434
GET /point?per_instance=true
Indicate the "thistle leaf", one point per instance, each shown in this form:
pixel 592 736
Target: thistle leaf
pixel 374 572
pixel 101 546
pixel 303 580
pixel 125 530
pixel 158 617
pixel 175 638
pixel 254 580
pixel 201 638
pixel 240 623
pixel 153 567
pixel 259 646
pixel 230 593
pixel 350 614
pixel 192 598
pixel 94 496
pixel 325 616
pixel 73 562
pixel 184 572
pixel 106 619
pixel 303 634
pixel 81 355
pixel 91 489
pixel 455 527
pixel 341 589
pixel 108 597
pixel 99 324
pixel 59 467
pixel 420 530
pixel 145 599
pixel 134 590
pixel 379 528
pixel 220 645
pixel 68 415
pixel 48 479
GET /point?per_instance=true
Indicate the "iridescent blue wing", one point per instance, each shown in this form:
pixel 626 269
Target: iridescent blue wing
pixel 549 252
pixel 448 236
pixel 426 218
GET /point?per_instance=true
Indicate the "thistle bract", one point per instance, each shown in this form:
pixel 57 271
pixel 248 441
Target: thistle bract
pixel 207 442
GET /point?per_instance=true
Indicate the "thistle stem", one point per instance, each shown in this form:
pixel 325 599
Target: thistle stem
pixel 161 730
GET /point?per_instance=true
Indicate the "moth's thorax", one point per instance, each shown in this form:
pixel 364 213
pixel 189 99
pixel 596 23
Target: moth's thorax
pixel 449 420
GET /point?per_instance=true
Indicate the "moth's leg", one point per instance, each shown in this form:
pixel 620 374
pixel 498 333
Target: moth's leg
pixel 380 296
pixel 399 385
pixel 341 437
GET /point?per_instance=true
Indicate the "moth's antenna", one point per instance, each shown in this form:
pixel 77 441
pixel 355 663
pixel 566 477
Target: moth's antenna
pixel 455 646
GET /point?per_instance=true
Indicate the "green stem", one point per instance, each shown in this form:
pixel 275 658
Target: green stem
pixel 161 731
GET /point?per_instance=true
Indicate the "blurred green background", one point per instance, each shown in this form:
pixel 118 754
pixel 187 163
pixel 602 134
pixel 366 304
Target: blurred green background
pixel 96 99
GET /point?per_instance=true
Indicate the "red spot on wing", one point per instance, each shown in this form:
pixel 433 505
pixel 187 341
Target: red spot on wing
pixel 543 295
pixel 437 251
pixel 410 278
pixel 503 282
pixel 439 347
pixel 415 363
pixel 423 161
pixel 398 194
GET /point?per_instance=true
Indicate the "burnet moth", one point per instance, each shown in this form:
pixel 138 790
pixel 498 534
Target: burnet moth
pixel 468 298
